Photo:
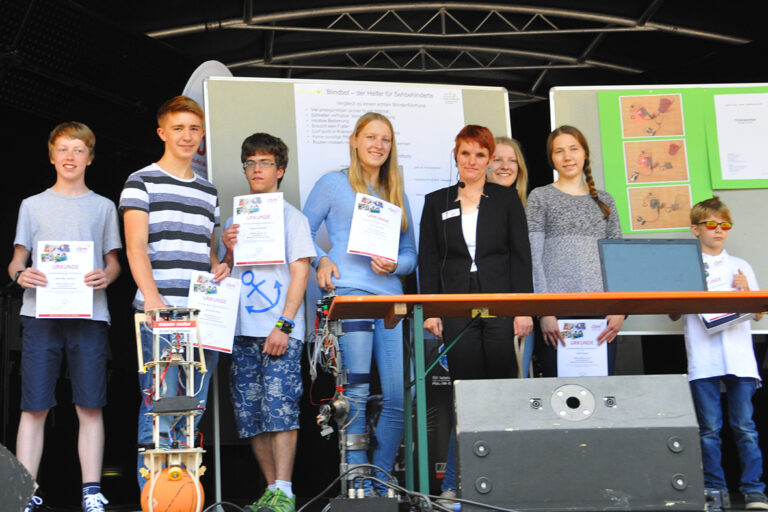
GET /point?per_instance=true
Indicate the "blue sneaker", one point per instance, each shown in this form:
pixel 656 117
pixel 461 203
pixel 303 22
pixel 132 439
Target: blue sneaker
pixel 34 503
pixel 713 499
pixel 755 500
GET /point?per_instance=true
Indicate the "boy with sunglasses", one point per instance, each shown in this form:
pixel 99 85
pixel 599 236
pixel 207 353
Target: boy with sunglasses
pixel 724 360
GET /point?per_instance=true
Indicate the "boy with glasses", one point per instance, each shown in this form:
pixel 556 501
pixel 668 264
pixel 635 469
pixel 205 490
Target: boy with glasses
pixel 265 376
pixel 724 360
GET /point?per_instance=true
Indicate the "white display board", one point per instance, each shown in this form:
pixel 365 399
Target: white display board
pixel 315 119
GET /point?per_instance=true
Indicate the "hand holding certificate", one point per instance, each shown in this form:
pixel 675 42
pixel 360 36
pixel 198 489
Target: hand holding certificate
pixel 261 238
pixel 65 265
pixel 582 355
pixel 716 322
pixel 375 228
pixel 217 303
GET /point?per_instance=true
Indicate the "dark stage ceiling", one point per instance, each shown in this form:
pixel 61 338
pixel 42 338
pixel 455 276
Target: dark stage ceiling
pixel 526 47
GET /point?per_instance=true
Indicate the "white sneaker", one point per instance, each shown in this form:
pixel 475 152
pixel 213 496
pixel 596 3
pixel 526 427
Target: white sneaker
pixel 446 498
pixel 94 502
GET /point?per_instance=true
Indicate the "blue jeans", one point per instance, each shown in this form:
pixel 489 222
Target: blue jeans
pixel 449 477
pixel 706 400
pixel 386 347
pixel 171 383
pixel 527 354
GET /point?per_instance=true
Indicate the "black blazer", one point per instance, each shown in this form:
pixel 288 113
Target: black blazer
pixel 502 254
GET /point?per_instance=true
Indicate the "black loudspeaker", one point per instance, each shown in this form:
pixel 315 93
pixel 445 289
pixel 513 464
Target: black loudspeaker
pixel 593 443
pixel 18 485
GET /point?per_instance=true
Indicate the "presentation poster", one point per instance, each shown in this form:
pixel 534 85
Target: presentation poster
pixel 426 121
pixel 737 131
pixel 654 157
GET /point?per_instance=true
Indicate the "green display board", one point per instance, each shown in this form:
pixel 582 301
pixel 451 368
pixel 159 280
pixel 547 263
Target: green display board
pixel 596 111
pixel 655 156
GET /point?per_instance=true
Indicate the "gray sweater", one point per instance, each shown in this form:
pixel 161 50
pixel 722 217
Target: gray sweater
pixel 564 230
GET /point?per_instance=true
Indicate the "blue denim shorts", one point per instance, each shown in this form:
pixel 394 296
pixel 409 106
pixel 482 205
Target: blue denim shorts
pixel 44 342
pixel 265 389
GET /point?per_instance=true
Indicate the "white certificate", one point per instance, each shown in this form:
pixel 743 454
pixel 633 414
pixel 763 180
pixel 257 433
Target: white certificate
pixel 66 295
pixel 217 303
pixel 582 356
pixel 375 228
pixel 716 322
pixel 742 128
pixel 261 238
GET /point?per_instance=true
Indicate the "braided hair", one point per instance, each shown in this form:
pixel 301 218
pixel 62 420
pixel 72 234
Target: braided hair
pixel 576 133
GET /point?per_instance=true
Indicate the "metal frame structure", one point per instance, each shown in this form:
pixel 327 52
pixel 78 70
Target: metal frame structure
pixel 176 459
pixel 434 38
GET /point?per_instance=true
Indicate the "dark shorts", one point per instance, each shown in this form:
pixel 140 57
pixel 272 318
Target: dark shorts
pixel 45 341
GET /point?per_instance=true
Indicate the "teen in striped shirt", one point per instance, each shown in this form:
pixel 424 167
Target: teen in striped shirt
pixel 169 214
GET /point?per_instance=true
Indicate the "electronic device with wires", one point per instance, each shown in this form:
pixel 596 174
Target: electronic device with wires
pixel 173 457
pixel 324 353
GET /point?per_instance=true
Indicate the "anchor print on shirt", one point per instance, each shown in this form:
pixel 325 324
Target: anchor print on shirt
pixel 248 280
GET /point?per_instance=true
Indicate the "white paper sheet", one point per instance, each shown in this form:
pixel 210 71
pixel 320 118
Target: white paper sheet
pixel 64 265
pixel 218 303
pixel 375 229
pixel 582 356
pixel 425 119
pixel 742 129
pixel 261 237
pixel 716 322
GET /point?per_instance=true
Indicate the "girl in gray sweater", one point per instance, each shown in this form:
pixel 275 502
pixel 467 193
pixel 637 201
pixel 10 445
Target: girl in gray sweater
pixel 565 221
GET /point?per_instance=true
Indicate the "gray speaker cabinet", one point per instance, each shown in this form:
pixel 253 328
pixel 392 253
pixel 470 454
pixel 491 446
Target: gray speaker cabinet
pixel 591 443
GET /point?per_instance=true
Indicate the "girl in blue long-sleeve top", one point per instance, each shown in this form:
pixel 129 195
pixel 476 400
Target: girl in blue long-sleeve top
pixel 372 170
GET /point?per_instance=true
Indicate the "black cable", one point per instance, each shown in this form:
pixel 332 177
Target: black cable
pixel 344 473
pixel 427 498
pixel 210 507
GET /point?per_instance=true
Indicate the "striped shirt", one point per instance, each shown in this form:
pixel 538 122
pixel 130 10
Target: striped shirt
pixel 182 216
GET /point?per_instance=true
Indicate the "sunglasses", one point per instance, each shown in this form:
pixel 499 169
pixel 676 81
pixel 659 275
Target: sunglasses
pixel 710 224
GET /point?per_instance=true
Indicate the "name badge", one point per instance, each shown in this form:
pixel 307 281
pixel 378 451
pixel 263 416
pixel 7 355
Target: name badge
pixel 451 213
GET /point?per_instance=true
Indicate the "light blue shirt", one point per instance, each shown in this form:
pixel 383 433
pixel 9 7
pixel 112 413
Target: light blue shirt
pixel 332 200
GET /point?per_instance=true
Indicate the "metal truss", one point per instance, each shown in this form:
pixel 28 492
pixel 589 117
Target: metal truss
pixel 441 23
pixel 450 38
pixel 430 58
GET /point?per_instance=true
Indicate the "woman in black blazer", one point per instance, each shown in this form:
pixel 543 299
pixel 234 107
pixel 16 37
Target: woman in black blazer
pixel 474 239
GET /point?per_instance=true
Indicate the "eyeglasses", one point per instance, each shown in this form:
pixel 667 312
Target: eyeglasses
pixel 710 224
pixel 250 165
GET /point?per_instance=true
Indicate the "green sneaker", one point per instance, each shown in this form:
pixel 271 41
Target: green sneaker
pixel 261 502
pixel 280 502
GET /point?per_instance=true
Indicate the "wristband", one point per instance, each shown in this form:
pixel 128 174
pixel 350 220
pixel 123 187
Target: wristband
pixel 17 276
pixel 285 325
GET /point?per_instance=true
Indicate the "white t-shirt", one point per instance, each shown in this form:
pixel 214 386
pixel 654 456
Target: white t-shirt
pixel 728 352
pixel 262 302
pixel 469 228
